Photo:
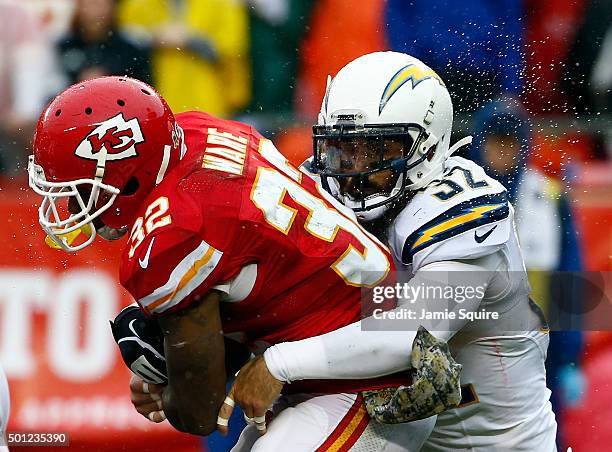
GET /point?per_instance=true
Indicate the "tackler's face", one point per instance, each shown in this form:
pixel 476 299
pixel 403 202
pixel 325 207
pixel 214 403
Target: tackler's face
pixel 362 164
pixel 365 166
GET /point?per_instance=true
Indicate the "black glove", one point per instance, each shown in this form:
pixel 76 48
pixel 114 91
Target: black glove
pixel 141 343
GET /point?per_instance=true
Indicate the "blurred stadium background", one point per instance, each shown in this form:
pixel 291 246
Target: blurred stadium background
pixel 266 62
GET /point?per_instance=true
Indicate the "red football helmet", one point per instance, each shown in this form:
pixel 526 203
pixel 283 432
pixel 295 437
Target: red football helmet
pixel 104 144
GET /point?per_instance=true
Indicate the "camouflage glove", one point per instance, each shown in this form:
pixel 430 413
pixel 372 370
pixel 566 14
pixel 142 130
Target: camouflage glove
pixel 435 387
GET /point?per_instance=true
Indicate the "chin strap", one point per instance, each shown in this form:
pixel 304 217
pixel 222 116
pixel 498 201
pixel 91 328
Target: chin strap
pixel 459 144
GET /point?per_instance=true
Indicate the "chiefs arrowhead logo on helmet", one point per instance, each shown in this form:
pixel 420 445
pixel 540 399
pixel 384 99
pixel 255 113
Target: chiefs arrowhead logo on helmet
pixel 116 136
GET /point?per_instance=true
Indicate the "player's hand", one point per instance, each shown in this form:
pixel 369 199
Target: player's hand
pixel 147 399
pixel 255 390
pixel 141 343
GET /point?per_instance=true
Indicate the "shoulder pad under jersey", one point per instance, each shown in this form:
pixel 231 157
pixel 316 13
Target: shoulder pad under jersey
pixel 173 253
pixel 464 215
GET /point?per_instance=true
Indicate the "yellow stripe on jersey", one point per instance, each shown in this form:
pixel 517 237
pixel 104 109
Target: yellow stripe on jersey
pixel 190 273
pixel 475 214
pixel 456 220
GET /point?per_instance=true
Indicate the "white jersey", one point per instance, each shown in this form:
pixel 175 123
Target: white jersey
pixel 505 404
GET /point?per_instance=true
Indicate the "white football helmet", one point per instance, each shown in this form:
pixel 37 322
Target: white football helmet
pixel 386 119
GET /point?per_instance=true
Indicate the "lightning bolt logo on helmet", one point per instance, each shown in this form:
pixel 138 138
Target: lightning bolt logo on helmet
pixel 115 136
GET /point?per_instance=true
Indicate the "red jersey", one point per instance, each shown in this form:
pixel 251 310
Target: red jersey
pixel 235 216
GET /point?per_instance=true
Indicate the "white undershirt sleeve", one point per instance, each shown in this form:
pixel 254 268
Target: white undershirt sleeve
pixel 352 353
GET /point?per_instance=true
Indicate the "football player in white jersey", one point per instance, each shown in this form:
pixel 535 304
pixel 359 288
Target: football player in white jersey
pixel 382 147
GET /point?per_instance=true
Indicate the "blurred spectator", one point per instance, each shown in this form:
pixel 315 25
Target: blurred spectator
pixel 588 75
pixel 550 30
pixel 95 48
pixel 277 29
pixel 55 16
pixel 546 230
pixel 501 143
pixel 26 80
pixel 475 45
pixel 200 56
pixel 340 31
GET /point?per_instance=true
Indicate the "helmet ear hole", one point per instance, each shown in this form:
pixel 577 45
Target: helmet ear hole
pixel 432 152
pixel 131 187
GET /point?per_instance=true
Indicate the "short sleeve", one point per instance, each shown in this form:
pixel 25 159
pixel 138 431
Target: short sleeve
pixel 171 269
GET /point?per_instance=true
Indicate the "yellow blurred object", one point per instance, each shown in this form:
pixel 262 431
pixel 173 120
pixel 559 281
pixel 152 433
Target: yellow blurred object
pixel 539 280
pixel 185 80
pixel 68 238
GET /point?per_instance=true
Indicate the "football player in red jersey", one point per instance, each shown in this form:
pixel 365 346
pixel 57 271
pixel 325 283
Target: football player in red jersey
pixel 225 237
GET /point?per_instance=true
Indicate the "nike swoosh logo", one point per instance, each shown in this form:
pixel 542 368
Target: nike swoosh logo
pixel 144 263
pixel 131 327
pixel 483 237
pixel 140 341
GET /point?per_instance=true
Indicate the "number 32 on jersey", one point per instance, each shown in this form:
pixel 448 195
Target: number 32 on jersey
pixel 357 268
pixel 155 217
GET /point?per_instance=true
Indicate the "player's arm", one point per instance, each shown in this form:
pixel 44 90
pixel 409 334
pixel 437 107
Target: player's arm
pixel 380 352
pixel 172 275
pixel 195 359
pixel 141 343
pixel 352 352
pixel 334 355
